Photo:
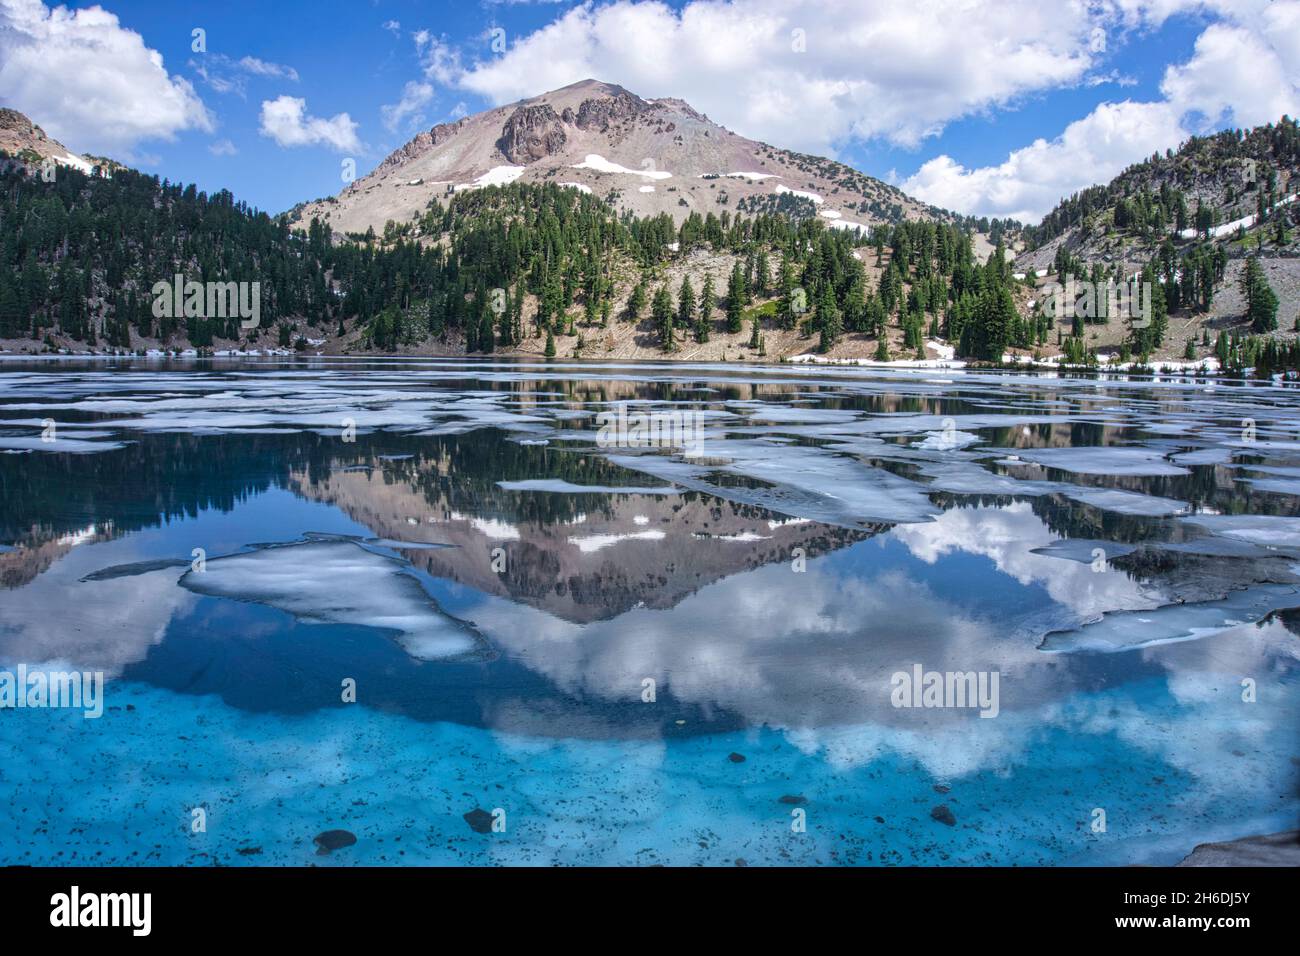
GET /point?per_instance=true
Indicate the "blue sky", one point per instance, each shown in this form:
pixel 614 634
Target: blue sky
pixel 993 108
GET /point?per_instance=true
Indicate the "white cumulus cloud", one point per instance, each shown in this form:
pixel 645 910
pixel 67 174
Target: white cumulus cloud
pixel 285 120
pixel 89 81
pixel 806 74
pixel 1035 177
pixel 1244 70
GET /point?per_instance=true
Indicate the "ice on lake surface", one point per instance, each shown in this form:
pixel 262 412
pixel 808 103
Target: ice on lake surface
pixel 581 633
pixel 338 582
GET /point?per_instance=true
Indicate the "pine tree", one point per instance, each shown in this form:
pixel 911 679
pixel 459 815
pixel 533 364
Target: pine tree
pixel 761 276
pixel 11 311
pixel 485 333
pixel 517 314
pixel 552 302
pixel 828 320
pixel 686 304
pixel 1261 300
pixel 661 314
pixel 636 302
pixel 736 299
pixel 708 300
pixel 786 307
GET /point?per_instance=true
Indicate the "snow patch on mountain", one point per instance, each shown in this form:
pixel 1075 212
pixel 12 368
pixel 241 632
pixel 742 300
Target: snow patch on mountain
pixel 602 165
pixel 799 192
pixel 496 176
pixel 1245 222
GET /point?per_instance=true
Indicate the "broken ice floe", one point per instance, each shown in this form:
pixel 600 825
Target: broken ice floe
pixel 1173 623
pixel 83 445
pixel 1277 486
pixel 139 567
pixel 560 486
pixel 1128 502
pixel 1271 531
pixel 395 545
pixel 1103 460
pixel 337 581
pixel 946 440
pixel 1085 551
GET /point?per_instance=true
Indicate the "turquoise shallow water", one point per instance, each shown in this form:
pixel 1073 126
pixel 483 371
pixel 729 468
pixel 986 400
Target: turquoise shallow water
pixel 121 790
pixel 771 616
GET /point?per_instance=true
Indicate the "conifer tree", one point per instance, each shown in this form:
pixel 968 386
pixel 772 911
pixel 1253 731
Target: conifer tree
pixel 735 299
pixel 661 314
pixel 828 320
pixel 686 304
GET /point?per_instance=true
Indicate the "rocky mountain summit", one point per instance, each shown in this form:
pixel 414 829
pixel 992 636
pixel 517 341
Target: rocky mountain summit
pixel 23 139
pixel 647 156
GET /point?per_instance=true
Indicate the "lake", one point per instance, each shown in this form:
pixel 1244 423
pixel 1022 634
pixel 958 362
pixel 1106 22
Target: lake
pixel 869 617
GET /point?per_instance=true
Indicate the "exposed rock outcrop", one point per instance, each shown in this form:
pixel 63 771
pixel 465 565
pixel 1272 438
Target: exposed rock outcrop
pixel 532 133
pixel 422 143
pixel 606 111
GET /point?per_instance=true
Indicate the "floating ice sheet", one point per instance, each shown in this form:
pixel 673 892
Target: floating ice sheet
pixel 1103 460
pixel 75 446
pixel 560 486
pixel 337 581
pixel 1085 550
pixel 1278 486
pixel 394 544
pixel 1128 502
pixel 1128 630
pixel 1267 530
pixel 139 567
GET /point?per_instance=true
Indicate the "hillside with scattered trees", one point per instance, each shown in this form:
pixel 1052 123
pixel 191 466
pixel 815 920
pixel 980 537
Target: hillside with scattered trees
pixel 538 268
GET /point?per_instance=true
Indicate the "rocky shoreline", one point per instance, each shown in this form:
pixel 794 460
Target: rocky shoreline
pixel 1274 849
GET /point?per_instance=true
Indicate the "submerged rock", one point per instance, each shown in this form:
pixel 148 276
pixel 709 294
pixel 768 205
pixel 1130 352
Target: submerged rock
pixel 333 840
pixel 479 820
pixel 943 815
pixel 1275 849
pixel 736 758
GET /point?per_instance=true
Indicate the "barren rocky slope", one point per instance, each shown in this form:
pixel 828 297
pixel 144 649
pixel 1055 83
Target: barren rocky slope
pixel 646 156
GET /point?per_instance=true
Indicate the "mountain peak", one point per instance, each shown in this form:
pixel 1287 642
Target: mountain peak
pixel 22 138
pixel 590 84
pixel 16 125
pixel 646 156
